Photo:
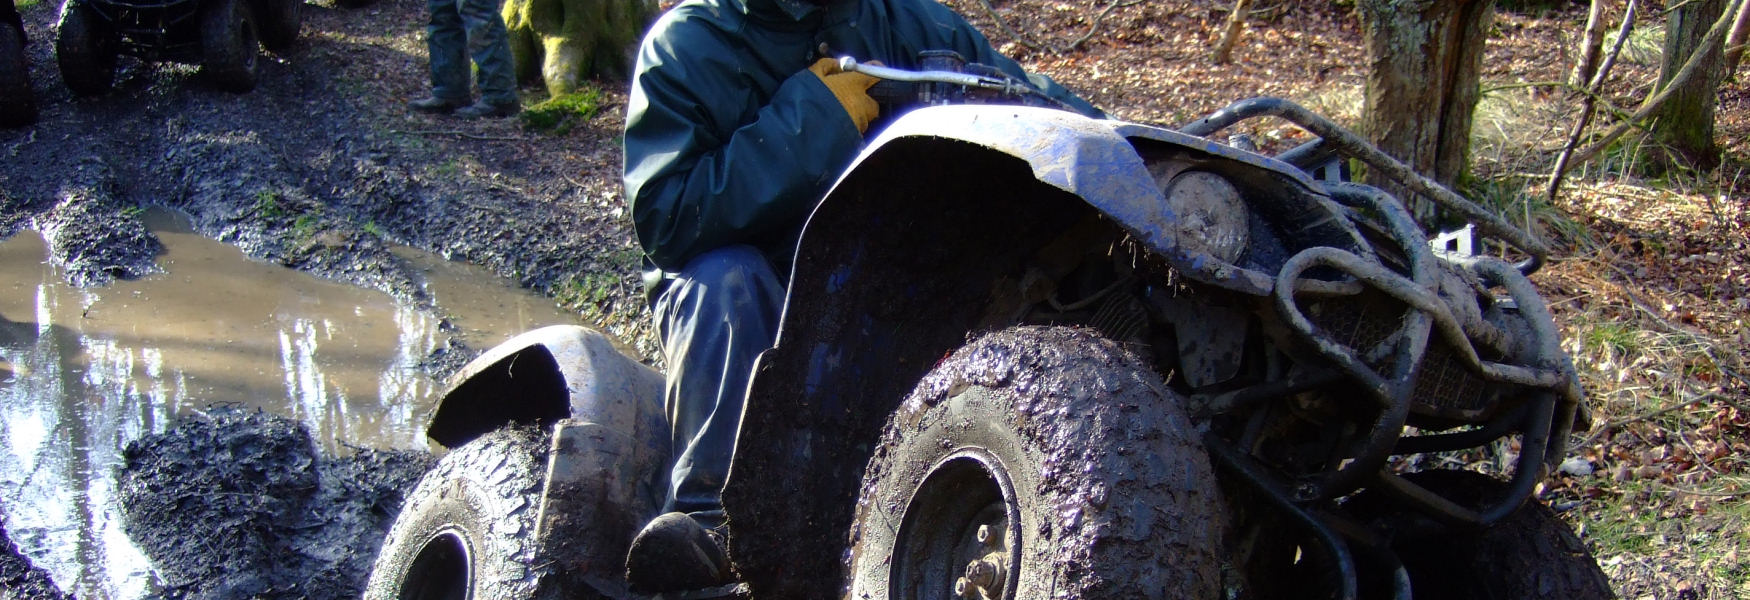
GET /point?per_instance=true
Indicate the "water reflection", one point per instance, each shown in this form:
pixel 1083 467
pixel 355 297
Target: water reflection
pixel 83 372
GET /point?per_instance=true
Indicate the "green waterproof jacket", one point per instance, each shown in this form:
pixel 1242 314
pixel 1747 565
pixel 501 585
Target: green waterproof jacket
pixel 730 140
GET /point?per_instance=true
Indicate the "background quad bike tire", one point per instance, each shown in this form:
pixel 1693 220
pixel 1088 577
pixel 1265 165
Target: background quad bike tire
pixel 86 50
pixel 468 528
pixel 229 44
pixel 1529 555
pixel 1113 489
pixel 279 22
pixel 17 101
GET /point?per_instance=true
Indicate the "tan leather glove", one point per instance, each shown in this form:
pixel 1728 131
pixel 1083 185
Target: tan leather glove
pixel 852 90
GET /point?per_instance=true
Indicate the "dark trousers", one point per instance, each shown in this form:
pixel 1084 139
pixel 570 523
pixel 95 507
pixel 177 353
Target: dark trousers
pixel 715 318
pixel 458 29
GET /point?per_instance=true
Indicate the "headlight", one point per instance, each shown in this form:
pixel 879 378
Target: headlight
pixel 1212 218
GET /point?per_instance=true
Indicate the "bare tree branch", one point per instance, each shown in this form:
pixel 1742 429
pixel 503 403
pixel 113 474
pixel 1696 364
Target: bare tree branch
pixel 1586 107
pixel 1236 21
pixel 1590 45
pixel 1735 40
pixel 1709 44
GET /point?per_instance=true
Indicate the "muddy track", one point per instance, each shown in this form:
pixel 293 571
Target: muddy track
pixel 275 518
pixel 320 168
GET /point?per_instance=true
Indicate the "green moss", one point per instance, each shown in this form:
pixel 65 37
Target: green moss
pixel 268 205
pixel 24 4
pixel 560 114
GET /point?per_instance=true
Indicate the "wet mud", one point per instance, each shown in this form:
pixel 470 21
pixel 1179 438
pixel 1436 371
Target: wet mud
pixel 21 580
pixel 320 168
pixel 239 504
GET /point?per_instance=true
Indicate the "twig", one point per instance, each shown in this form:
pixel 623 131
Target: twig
pixel 1707 494
pixel 1619 423
pixel 1644 307
pixel 1028 42
pixel 462 134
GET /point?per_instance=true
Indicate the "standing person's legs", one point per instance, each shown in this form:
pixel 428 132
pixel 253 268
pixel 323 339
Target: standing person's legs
pixel 489 44
pixel 446 43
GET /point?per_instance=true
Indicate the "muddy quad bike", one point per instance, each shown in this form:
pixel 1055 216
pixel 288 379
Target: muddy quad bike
pixel 219 35
pixel 1194 371
pixel 17 101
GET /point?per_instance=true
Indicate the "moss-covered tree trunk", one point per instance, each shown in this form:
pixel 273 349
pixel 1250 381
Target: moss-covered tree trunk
pixel 1685 123
pixel 562 42
pixel 1425 57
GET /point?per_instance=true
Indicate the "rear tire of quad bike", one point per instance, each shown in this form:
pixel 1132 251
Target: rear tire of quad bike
pixel 1529 555
pixel 229 44
pixel 17 101
pixel 468 528
pixel 86 50
pixel 1046 448
pixel 280 22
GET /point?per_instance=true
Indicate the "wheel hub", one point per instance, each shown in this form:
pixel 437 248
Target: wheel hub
pixel 959 536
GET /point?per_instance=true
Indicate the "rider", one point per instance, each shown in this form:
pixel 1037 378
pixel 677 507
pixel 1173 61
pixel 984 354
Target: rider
pixel 738 122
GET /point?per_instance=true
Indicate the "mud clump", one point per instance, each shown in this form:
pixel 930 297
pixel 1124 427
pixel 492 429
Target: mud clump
pixel 239 504
pixel 21 580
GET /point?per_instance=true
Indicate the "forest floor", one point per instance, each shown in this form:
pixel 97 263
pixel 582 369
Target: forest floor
pixel 321 168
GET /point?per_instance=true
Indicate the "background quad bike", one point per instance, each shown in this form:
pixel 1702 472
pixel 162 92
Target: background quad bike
pixel 17 103
pixel 219 35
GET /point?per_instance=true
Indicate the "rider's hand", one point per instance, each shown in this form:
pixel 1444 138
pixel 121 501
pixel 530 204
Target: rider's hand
pixel 851 89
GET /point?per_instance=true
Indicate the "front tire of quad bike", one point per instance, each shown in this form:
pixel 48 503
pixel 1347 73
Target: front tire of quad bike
pixel 1038 462
pixel 229 44
pixel 468 528
pixel 280 22
pixel 1529 555
pixel 86 50
pixel 17 101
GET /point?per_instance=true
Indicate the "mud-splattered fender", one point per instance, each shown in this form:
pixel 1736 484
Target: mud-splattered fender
pixel 1086 157
pixel 548 374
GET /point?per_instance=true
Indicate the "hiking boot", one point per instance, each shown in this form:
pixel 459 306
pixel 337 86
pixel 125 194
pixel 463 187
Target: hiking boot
pixel 675 553
pixel 485 109
pixel 436 105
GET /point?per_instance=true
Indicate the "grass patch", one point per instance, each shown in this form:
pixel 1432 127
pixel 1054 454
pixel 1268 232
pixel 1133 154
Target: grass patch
pixel 558 115
pixel 268 204
pixel 1510 198
pixel 305 227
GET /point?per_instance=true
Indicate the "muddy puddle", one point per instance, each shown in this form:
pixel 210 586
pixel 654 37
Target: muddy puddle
pixel 85 371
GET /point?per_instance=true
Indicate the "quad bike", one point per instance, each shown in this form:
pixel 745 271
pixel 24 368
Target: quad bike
pixel 219 35
pixel 17 101
pixel 1194 371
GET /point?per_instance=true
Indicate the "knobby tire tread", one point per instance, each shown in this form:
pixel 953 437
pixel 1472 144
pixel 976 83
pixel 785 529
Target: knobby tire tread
pixel 1122 499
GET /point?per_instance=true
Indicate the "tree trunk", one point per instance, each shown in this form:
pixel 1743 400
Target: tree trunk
pixel 562 42
pixel 1425 58
pixel 1236 21
pixel 1685 123
pixel 1590 47
pixel 1736 40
